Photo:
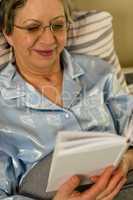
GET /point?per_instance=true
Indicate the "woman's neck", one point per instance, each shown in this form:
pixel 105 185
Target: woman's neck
pixel 47 82
pixel 34 73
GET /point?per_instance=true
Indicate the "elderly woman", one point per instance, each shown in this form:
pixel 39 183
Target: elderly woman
pixel 44 90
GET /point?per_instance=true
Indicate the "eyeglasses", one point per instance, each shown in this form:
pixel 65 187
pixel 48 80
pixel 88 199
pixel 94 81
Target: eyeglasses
pixel 57 26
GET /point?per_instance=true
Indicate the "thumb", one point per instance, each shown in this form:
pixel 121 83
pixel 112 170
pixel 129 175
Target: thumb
pixel 68 188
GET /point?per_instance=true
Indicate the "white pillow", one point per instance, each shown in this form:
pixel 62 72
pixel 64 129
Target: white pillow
pixel 92 34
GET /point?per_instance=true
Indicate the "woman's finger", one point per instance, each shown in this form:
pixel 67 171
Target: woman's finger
pixel 116 191
pixel 118 176
pixel 98 187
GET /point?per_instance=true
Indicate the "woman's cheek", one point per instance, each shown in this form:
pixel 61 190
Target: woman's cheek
pixel 63 40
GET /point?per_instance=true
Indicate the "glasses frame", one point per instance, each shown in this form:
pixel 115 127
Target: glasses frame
pixel 50 26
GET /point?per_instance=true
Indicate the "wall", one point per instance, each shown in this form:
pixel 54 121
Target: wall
pixel 122 11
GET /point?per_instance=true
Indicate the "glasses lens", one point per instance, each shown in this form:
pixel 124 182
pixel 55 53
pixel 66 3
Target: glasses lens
pixel 34 29
pixel 57 27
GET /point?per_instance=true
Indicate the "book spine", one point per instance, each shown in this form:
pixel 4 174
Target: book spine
pixel 129 130
pixel 120 156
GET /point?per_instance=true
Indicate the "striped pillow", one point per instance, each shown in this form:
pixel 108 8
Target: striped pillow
pixel 92 34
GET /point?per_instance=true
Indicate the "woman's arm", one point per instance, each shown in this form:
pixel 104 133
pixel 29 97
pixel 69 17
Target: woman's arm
pixel 10 170
pixel 118 178
pixel 120 105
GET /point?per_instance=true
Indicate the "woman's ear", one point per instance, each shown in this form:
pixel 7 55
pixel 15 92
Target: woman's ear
pixel 8 38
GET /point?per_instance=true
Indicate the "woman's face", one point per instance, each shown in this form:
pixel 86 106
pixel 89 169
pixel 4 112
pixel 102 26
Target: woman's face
pixel 34 46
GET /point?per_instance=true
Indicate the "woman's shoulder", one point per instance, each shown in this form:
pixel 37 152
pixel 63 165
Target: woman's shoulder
pixel 6 73
pixel 92 63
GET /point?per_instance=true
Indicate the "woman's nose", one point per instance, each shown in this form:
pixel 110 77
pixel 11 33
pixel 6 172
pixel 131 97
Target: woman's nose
pixel 47 36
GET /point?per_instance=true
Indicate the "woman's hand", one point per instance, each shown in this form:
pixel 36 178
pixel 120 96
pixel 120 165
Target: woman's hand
pixel 118 178
pixel 67 191
pixel 105 187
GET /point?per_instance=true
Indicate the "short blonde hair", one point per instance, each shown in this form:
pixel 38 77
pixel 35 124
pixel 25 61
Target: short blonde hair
pixel 68 10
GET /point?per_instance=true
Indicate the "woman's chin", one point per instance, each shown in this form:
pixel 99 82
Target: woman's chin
pixel 45 63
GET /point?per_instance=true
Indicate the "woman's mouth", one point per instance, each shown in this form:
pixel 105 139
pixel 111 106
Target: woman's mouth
pixel 45 53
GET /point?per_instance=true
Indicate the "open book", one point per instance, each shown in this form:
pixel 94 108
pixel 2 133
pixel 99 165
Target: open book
pixel 85 154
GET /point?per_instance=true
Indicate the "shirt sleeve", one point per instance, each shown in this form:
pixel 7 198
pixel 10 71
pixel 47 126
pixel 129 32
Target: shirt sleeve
pixel 119 103
pixel 10 171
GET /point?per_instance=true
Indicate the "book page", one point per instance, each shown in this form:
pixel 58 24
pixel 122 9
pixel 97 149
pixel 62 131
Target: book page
pixel 87 147
pixel 79 135
pixel 77 143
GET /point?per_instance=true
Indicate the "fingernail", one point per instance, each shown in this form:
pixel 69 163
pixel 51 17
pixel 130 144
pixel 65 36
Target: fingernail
pixel 75 179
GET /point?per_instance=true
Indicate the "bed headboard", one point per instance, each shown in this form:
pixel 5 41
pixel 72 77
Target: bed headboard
pixel 122 12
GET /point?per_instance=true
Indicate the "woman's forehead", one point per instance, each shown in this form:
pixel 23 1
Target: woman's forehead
pixel 46 9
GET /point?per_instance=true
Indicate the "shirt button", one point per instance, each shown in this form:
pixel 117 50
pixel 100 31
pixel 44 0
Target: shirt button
pixel 67 115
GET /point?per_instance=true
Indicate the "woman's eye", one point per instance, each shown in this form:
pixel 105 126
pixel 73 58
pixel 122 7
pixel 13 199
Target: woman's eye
pixel 33 28
pixel 57 27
